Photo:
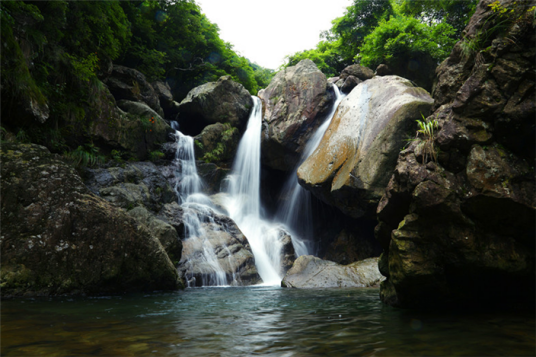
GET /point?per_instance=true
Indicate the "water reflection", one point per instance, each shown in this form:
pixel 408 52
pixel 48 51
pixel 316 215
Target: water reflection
pixel 265 321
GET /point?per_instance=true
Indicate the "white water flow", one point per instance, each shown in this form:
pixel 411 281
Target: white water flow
pixel 244 205
pixel 296 211
pixel 196 214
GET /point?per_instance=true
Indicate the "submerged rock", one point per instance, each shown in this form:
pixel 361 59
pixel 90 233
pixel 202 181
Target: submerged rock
pixel 461 230
pixel 312 272
pixel 59 238
pixel 224 101
pixel 355 159
pixel 294 105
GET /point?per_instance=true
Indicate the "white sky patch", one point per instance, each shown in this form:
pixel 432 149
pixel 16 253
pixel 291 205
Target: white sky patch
pixel 267 31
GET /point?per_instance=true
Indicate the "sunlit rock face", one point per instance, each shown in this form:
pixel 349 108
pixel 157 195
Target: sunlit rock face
pixel 461 230
pixel 356 157
pixel 312 272
pixel 224 101
pixel 294 105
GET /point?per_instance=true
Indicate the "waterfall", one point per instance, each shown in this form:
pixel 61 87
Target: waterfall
pixel 244 205
pixel 296 211
pixel 196 213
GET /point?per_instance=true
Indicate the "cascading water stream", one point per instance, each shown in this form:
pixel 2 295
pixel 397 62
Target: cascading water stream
pixel 197 212
pixel 296 211
pixel 244 205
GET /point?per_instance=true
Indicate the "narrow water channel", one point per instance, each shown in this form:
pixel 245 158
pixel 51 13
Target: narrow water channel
pixel 264 321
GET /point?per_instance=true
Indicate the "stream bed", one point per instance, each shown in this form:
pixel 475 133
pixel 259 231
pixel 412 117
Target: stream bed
pixel 261 320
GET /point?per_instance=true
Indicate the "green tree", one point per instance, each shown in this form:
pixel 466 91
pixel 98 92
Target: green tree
pixel 402 37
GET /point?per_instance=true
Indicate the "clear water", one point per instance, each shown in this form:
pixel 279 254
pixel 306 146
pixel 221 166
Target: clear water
pixel 264 321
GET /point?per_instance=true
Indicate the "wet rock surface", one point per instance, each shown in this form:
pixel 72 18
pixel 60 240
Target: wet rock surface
pixel 59 238
pixel 461 230
pixel 357 155
pixel 294 105
pixel 312 272
pixel 231 252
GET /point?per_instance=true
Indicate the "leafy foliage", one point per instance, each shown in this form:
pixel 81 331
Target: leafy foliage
pixel 412 27
pixel 404 37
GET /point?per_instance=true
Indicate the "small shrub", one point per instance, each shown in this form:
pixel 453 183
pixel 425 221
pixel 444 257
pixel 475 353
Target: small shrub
pixel 86 155
pixel 156 155
pixel 427 128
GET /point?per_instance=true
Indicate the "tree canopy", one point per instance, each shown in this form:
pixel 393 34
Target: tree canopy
pixel 378 31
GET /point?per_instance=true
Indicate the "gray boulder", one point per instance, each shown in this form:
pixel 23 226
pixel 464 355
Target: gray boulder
pixel 312 272
pixel 294 105
pixel 224 101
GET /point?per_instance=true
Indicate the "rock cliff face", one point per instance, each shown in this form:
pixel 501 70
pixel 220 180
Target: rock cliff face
pixel 224 101
pixel 461 230
pixel 357 155
pixel 294 104
pixel 59 238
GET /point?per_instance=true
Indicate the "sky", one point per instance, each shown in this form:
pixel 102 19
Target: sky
pixel 267 31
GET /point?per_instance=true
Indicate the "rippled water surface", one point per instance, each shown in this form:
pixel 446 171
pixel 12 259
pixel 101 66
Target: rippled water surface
pixel 264 321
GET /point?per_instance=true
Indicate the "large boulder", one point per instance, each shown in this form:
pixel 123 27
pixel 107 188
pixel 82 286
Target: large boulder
pixel 130 84
pixel 224 101
pixel 357 155
pixel 59 238
pixel 460 229
pixel 215 252
pixel 294 105
pixel 312 272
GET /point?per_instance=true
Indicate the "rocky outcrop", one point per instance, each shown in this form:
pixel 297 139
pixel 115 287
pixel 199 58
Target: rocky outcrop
pixel 460 229
pixel 312 272
pixel 168 104
pixel 215 244
pixel 217 143
pixel 352 75
pixel 355 159
pixel 130 84
pixel 59 238
pixel 294 105
pixel 133 184
pixel 224 101
pixel 138 133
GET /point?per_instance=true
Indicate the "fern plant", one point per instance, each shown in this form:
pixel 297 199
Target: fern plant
pixel 87 155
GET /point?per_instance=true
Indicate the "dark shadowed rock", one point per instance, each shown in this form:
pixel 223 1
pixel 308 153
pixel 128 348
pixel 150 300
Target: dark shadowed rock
pixel 383 70
pixel 294 105
pixel 224 101
pixel 312 272
pixel 59 238
pixel 357 155
pixel 130 84
pixel 461 230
